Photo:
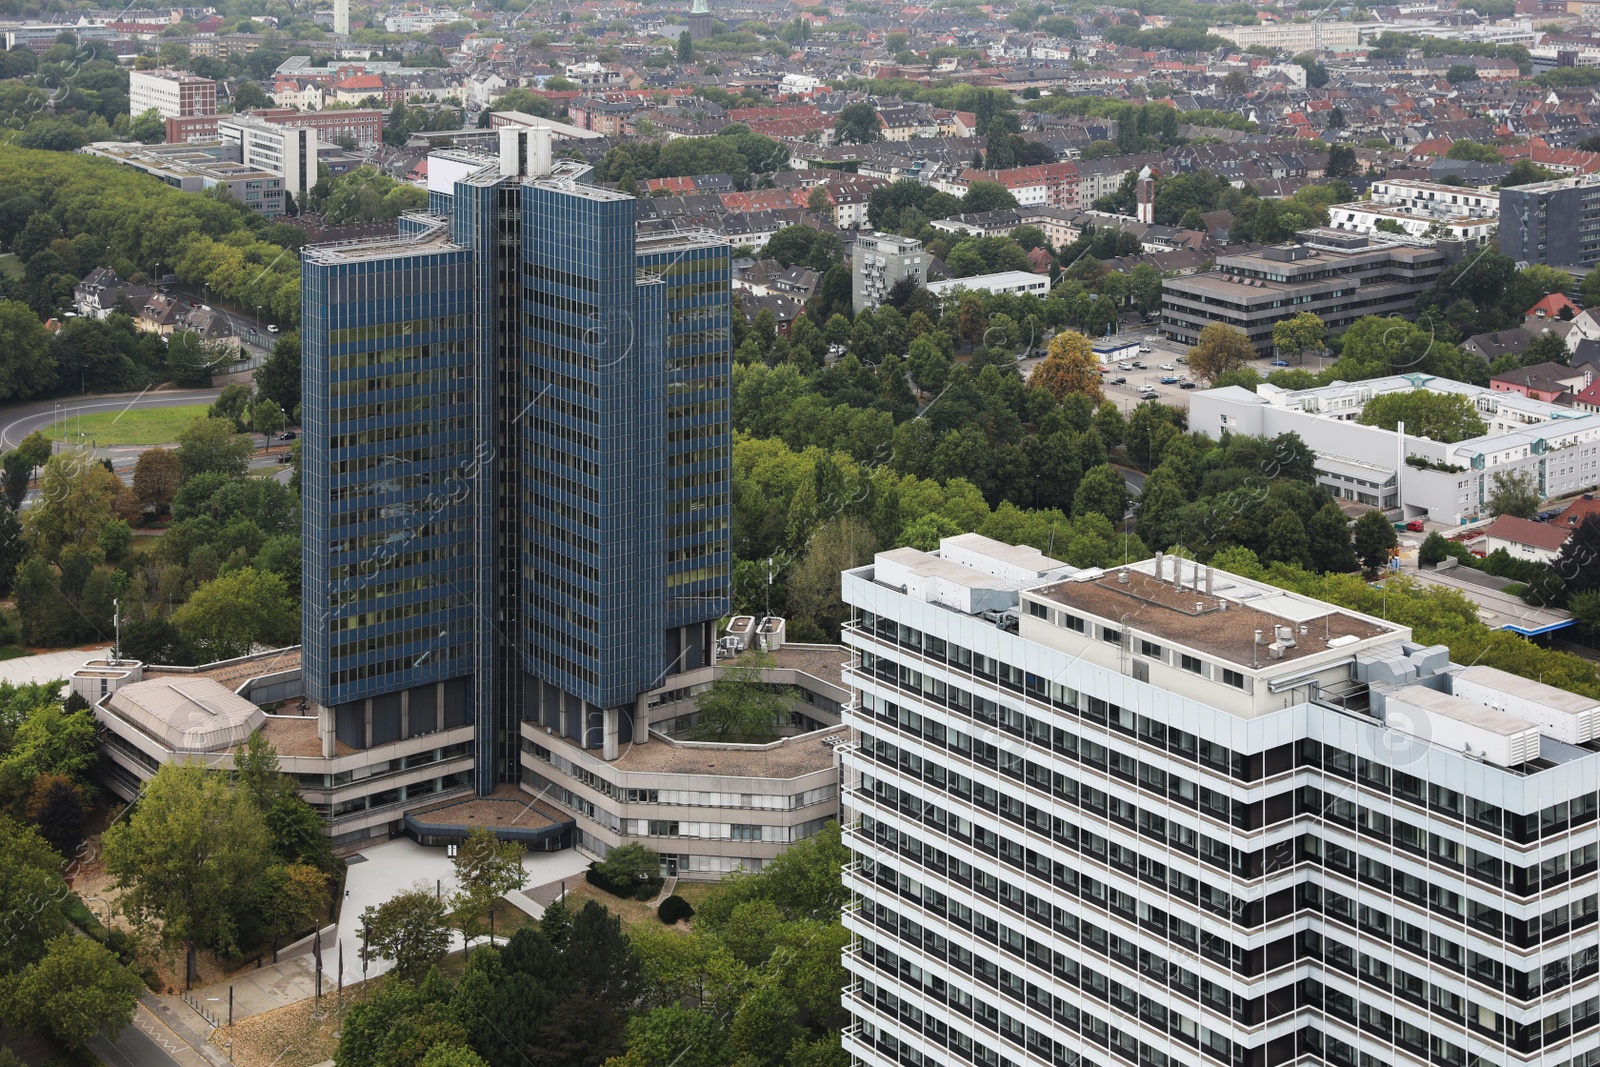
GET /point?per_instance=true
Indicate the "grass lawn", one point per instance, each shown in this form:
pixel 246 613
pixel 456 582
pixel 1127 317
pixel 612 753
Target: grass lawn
pixel 144 426
pixel 634 912
pixel 11 265
pixel 13 652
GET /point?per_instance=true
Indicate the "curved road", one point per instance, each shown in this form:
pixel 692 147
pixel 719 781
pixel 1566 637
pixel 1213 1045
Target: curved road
pixel 18 422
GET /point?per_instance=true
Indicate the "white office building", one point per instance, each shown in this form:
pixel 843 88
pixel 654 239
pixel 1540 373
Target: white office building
pixel 1558 447
pixel 1016 282
pixel 1161 816
pixel 287 150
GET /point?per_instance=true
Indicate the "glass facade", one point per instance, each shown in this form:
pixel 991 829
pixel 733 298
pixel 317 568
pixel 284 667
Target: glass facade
pixel 516 461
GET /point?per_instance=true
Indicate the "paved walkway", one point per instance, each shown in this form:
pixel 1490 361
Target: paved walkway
pixel 47 666
pixel 392 867
pixel 254 992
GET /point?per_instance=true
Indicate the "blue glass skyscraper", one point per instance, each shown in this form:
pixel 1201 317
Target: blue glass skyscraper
pixel 516 460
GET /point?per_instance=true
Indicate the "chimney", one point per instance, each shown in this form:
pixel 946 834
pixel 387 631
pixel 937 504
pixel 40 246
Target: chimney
pixel 1161 560
pixel 1208 580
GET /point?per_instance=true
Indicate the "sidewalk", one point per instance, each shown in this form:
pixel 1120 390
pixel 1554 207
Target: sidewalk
pixel 46 666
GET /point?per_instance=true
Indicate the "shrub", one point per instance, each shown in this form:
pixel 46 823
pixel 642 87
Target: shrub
pixel 647 891
pixel 674 909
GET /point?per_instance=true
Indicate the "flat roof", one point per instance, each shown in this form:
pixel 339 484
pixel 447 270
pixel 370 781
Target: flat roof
pixel 1528 689
pixel 1484 718
pixel 1222 624
pixel 795 756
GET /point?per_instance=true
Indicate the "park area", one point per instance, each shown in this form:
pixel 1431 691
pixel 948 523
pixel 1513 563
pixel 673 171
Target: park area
pixel 144 426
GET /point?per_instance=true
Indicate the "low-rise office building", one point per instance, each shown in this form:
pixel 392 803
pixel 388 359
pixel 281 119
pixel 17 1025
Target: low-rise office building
pixel 1554 445
pixel 197 167
pixel 1016 282
pixel 1339 277
pixel 705 807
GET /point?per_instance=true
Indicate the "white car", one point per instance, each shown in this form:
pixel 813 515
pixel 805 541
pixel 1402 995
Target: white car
pixel 272 329
pixel 1147 390
pixel 1168 366
pixel 1145 347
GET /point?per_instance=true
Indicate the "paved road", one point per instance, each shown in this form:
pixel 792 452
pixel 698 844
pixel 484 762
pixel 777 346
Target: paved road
pixel 147 1042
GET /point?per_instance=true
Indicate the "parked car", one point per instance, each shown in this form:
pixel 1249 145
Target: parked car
pixel 287 435
pixel 1137 365
pixel 1168 366
pixel 1124 366
pixel 1119 380
pixel 1186 385
pixel 1414 526
pixel 1144 346
pixel 1183 359
pixel 1167 379
pixel 1147 390
pixel 1280 363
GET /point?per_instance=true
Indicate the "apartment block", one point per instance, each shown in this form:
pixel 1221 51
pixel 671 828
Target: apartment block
pixel 172 93
pixel 1338 276
pixel 881 261
pixel 1555 223
pixel 1160 815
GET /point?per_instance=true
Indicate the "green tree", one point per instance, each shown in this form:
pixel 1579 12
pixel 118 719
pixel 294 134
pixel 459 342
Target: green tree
pixel 1445 417
pixel 32 896
pixel 1515 493
pixel 409 930
pixel 1461 72
pixel 278 377
pixel 985 195
pixel 268 420
pixel 28 368
pixel 77 497
pixel 78 991
pixel 856 124
pixel 1527 172
pixel 212 444
pixel 1102 492
pixel 1374 538
pixel 740 707
pixel 486 870
pixel 1220 349
pixel 228 615
pixel 1473 152
pixel 1298 333
pixel 1328 536
pixel 148 127
pixel 841 543
pixel 192 857
pixel 675 1036
pixel 685 47
pixel 233 404
pixel 1342 161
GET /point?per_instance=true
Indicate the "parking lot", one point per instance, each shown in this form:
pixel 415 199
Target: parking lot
pixel 1166 351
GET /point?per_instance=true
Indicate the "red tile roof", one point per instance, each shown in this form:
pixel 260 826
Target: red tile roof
pixel 1545 535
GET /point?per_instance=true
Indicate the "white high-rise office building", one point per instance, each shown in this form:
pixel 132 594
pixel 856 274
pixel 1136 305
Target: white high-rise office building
pixel 287 150
pixel 1160 816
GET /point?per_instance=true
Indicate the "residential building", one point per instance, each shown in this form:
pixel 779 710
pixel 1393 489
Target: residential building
pixel 1162 815
pixel 1555 222
pixel 1340 277
pixel 171 93
pixel 290 151
pixel 1557 447
pixel 1016 282
pixel 515 499
pixel 1543 381
pixel 1539 542
pixel 879 262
